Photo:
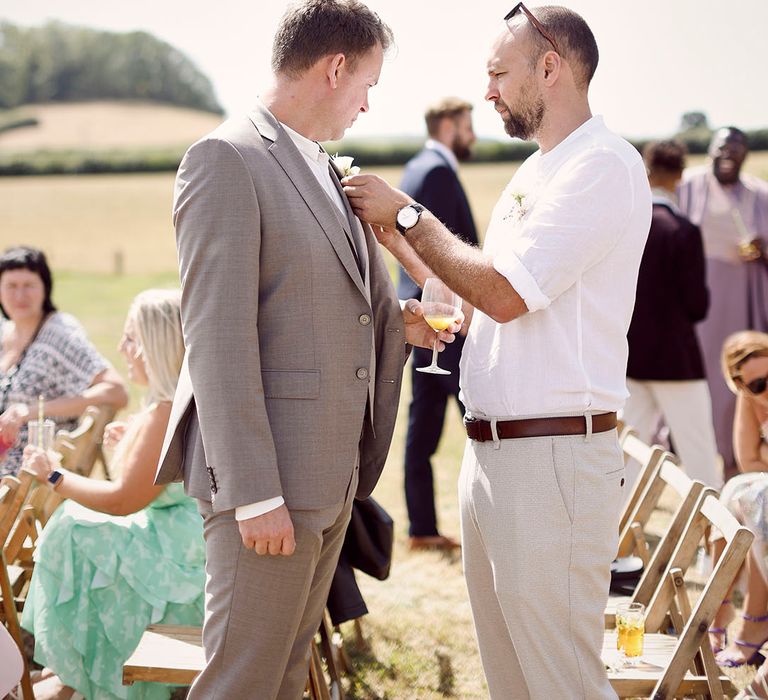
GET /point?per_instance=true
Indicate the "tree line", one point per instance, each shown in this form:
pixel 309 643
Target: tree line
pixel 57 62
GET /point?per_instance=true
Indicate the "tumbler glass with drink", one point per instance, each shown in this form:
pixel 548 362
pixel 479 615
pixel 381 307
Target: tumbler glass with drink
pixel 630 628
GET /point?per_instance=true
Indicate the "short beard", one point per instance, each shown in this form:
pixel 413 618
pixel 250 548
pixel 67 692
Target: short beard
pixel 461 150
pixel 526 122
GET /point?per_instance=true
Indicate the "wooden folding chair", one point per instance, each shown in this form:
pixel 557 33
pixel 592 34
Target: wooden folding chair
pixel 13 492
pixel 666 475
pixel 683 664
pixel 81 447
pixel 648 456
pixel 632 535
pixel 174 654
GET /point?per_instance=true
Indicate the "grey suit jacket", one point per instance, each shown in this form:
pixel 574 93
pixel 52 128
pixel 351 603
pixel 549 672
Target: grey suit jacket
pixel 280 329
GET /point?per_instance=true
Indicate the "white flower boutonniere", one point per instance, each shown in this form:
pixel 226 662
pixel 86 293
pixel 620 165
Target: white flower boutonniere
pixel 519 208
pixel 344 165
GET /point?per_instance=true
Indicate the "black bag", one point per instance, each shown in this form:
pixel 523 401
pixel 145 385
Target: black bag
pixel 369 539
pixel 626 573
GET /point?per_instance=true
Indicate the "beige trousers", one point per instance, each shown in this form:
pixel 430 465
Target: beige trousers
pixel 686 407
pixel 539 522
pixel 261 612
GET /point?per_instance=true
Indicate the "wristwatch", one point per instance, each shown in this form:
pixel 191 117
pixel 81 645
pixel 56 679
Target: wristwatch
pixel 55 477
pixel 408 217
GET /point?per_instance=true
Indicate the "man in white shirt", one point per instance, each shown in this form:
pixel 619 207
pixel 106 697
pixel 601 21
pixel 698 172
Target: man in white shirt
pixel 543 368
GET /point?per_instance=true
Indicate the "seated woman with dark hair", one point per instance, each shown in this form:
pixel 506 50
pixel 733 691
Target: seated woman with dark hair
pixel 122 554
pixel 43 352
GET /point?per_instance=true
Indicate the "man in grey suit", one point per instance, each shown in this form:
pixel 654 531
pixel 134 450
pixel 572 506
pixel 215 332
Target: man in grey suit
pixel 295 349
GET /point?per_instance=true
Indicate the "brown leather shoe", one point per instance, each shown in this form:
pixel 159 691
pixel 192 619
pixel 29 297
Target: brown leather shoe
pixel 433 542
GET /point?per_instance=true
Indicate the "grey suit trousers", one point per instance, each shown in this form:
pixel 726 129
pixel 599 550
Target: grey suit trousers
pixel 539 523
pixel 261 612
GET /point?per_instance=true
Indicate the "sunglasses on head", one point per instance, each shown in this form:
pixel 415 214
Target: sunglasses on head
pixel 520 7
pixel 757 386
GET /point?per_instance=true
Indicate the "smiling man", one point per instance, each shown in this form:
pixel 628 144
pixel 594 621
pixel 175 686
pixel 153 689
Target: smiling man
pixel 295 345
pixel 731 208
pixel 543 366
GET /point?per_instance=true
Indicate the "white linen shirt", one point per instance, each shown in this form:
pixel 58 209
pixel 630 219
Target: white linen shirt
pixel 445 152
pixel 568 233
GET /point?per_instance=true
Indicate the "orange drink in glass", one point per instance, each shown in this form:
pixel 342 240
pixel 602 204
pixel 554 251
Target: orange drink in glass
pixel 630 628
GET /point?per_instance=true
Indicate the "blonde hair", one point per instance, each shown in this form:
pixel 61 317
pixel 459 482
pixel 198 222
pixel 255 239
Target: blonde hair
pixel 155 315
pixel 737 349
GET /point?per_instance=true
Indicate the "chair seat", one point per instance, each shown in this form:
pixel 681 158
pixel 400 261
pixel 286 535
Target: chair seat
pixel 640 680
pixel 166 654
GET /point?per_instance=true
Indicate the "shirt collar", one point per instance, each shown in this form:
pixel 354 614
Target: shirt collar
pixel 665 197
pixel 308 148
pixel 590 126
pixel 444 151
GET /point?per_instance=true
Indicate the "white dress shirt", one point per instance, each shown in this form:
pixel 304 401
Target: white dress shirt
pixel 568 233
pixel 318 162
pixel 444 151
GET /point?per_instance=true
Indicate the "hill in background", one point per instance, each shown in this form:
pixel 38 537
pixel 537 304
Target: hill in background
pixel 107 125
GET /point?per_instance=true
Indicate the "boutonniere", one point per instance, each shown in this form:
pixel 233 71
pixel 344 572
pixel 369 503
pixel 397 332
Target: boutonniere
pixel 519 207
pixel 344 165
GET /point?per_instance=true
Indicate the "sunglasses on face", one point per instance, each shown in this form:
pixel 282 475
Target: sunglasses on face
pixel 520 7
pixel 757 386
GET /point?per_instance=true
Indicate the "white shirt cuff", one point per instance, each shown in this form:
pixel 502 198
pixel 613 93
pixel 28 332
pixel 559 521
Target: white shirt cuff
pixel 253 510
pixel 402 304
pixel 522 281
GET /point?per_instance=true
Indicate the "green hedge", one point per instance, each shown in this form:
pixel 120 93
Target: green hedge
pixel 366 154
pixel 76 162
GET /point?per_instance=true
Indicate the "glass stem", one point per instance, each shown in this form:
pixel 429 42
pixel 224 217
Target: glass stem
pixel 434 349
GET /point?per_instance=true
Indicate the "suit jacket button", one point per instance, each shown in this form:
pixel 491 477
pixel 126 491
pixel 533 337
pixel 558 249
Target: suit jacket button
pixel 364 319
pixel 362 373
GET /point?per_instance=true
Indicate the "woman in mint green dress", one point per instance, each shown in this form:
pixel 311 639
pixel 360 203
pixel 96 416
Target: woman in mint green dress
pixel 118 555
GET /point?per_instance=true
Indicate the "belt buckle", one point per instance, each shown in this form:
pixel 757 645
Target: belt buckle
pixel 477 423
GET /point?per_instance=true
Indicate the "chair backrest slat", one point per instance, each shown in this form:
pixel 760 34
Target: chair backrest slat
pixel 662 555
pixel 665 473
pixel 16 489
pixel 709 512
pixel 649 458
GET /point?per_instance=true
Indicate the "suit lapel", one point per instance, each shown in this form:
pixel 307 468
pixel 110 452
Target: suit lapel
pixel 309 189
pixel 358 235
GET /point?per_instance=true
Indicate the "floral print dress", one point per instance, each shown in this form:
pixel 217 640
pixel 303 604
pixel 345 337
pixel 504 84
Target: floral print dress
pixel 99 580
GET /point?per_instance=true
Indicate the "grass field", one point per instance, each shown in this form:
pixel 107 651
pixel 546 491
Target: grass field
pixel 105 124
pixel 420 628
pixel 85 221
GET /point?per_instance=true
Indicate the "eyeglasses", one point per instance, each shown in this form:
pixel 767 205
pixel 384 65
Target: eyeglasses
pixel 520 7
pixel 757 386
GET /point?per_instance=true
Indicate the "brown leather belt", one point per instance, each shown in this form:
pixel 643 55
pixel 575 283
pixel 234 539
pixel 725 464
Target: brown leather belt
pixel 480 430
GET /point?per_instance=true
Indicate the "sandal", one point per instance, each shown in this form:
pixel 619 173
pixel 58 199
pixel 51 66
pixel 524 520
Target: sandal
pixel 719 630
pixel 757 658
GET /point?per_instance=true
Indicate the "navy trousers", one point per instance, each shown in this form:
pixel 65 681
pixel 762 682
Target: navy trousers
pixel 425 426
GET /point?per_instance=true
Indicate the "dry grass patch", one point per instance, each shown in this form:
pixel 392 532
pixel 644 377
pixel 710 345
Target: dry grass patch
pixel 101 125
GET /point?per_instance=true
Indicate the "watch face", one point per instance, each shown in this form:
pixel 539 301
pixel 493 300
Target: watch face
pixel 407 217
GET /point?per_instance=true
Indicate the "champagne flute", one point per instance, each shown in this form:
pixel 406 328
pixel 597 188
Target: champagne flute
pixel 442 307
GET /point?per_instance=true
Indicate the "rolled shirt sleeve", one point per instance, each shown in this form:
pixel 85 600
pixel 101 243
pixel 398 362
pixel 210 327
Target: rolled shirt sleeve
pixel 572 227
